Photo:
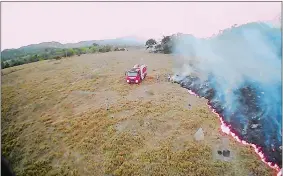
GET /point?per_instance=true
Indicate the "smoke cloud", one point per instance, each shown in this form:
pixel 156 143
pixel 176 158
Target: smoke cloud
pixel 239 72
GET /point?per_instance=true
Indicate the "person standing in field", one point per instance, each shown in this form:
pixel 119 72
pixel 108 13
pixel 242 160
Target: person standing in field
pixel 169 77
pixel 107 104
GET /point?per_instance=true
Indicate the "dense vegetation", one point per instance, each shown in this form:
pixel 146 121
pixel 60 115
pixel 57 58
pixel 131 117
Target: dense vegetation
pixel 56 50
pixel 164 46
pixel 16 57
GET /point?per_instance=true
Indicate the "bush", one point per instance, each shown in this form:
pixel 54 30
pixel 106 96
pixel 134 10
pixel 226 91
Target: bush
pixel 108 49
pixel 93 49
pixel 70 52
pixel 57 57
pixel 104 49
pixel 6 65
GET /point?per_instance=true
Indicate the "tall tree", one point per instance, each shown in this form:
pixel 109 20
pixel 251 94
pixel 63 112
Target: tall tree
pixel 150 43
pixel 167 44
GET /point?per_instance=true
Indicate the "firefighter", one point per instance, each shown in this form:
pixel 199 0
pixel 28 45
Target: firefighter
pixel 190 106
pixel 107 104
pixel 169 77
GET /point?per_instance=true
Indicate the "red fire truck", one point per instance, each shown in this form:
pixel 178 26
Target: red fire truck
pixel 136 74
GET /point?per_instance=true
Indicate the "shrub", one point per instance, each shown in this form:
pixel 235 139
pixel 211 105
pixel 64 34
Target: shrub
pixel 104 49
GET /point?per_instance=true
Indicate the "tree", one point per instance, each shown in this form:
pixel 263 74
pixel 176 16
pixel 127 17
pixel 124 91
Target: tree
pixel 83 50
pixel 150 43
pixel 2 64
pixel 104 49
pixel 70 52
pixel 77 51
pixel 53 51
pixel 107 48
pixel 93 50
pixel 6 65
pixel 158 48
pixel 167 44
pixel 34 58
pixel 13 62
pixel 165 40
pixel 94 44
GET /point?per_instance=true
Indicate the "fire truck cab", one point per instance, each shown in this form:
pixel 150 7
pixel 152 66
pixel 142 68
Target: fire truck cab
pixel 136 74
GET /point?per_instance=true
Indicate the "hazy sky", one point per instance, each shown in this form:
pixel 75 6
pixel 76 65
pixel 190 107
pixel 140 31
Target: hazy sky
pixel 25 23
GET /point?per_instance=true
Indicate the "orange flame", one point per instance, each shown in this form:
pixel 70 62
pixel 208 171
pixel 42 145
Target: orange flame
pixel 225 128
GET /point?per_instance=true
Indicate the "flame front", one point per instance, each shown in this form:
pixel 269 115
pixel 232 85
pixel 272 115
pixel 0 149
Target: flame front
pixel 227 130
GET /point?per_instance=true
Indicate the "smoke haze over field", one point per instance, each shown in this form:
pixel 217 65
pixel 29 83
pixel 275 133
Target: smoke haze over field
pixel 241 76
pixel 25 23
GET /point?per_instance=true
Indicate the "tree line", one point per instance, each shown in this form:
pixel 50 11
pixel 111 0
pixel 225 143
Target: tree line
pixel 51 53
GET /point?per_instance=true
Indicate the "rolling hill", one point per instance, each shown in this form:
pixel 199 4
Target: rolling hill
pixel 8 54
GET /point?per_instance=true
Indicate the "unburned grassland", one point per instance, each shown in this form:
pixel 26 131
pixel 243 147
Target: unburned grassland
pixel 54 121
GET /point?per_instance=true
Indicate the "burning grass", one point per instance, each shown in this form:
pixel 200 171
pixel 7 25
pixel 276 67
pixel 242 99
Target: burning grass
pixel 45 132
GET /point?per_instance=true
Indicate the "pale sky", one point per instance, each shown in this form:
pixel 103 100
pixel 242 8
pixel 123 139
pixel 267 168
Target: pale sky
pixel 24 23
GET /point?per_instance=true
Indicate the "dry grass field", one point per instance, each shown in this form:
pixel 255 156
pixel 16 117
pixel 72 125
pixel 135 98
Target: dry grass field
pixel 54 121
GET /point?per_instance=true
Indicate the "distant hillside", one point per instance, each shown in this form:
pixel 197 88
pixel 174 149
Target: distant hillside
pixel 8 54
pixel 123 41
pixel 42 46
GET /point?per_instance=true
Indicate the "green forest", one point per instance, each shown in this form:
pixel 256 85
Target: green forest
pixel 14 57
pixel 55 50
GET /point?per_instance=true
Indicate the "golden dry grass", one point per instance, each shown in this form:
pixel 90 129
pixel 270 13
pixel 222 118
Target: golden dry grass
pixel 54 121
